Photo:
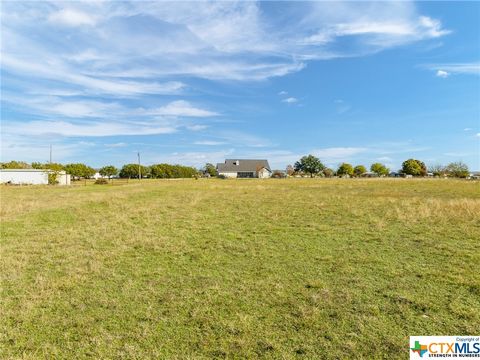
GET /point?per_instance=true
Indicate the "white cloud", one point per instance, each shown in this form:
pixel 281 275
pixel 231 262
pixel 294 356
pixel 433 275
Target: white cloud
pixel 19 147
pixel 477 135
pixel 116 145
pixel 196 127
pixel 181 108
pixel 442 74
pixel 192 158
pixel 283 93
pixel 209 143
pixel 472 68
pixel 85 129
pixel 385 158
pixel 338 153
pixel 202 39
pixel 467 129
pixel 290 100
pixel 72 17
pixel 57 71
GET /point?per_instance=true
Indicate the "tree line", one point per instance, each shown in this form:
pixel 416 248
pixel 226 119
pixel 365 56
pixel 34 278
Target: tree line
pixel 80 170
pixel 308 165
pixel 312 166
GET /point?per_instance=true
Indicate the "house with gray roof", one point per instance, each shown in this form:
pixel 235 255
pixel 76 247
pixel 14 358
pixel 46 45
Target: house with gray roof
pixel 244 168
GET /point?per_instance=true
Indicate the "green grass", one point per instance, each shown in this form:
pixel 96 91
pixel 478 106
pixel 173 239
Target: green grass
pixel 300 268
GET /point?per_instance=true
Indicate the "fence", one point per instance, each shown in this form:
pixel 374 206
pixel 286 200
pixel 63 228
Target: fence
pixel 111 182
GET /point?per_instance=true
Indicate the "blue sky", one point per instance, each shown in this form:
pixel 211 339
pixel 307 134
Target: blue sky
pixel 198 82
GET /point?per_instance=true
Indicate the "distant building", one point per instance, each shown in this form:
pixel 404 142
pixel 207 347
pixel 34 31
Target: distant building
pixel 97 176
pixel 475 175
pixel 31 177
pixel 244 168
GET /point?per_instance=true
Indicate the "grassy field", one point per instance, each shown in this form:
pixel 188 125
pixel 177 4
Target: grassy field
pixel 300 268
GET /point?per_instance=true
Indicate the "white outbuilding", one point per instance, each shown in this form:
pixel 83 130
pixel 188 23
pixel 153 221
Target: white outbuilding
pixel 31 177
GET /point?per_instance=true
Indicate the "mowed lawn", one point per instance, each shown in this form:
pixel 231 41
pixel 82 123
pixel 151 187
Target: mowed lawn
pixel 297 268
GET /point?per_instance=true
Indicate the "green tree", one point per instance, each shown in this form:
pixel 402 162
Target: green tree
pixel 379 169
pixel 50 166
pixel 457 169
pixel 15 165
pixel 108 171
pixel 79 170
pixel 210 169
pixel 309 165
pixel 414 167
pixel 345 169
pixel 167 171
pixel 359 170
pixel 131 171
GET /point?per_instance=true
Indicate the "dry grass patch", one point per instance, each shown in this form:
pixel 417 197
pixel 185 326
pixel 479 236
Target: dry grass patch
pixel 305 268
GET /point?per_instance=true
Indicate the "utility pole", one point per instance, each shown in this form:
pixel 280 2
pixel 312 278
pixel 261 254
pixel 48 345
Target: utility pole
pixel 139 168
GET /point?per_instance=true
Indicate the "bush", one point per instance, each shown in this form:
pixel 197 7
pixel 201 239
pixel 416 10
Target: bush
pixel 457 169
pixel 101 181
pixel 52 178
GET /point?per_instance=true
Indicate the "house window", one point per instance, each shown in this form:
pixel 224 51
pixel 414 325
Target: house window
pixel 245 174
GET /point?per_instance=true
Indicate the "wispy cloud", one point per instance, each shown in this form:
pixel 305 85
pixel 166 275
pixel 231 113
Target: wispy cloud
pixel 442 74
pixel 146 39
pixel 341 106
pixel 85 129
pixel 444 70
pixel 338 153
pixel 116 145
pixel 209 143
pixel 181 108
pixel 290 100
pixel 71 17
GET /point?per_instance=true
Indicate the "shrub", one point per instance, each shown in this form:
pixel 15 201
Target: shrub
pixel 52 178
pixel 457 169
pixel 278 175
pixel 101 181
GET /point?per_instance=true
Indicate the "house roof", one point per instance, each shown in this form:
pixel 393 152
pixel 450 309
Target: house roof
pixel 243 165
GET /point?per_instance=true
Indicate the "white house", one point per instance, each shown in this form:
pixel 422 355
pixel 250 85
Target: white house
pixel 244 168
pixel 31 177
